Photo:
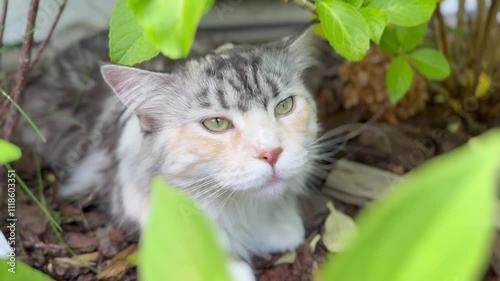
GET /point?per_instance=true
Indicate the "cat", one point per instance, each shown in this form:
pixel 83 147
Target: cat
pixel 233 129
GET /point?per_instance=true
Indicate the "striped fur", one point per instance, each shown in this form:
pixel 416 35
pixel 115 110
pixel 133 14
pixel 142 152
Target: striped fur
pixel 114 146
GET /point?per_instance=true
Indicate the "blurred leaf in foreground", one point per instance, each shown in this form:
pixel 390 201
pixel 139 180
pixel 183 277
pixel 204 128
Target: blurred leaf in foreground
pixel 436 225
pixel 179 241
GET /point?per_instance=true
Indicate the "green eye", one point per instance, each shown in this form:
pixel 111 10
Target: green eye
pixel 284 107
pixel 216 124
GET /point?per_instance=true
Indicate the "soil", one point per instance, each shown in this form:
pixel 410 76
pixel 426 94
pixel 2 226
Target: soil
pixel 89 242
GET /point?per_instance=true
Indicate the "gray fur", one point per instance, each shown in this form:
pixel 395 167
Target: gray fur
pixel 82 118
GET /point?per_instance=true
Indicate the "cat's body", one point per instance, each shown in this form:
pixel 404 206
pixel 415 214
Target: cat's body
pixel 247 177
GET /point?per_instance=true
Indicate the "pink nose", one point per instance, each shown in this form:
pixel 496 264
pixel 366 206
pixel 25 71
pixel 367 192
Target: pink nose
pixel 270 156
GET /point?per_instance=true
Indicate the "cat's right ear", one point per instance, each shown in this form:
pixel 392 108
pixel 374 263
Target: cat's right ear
pixel 139 90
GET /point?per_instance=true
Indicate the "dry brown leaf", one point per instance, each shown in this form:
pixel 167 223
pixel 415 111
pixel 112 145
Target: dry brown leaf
pixel 339 229
pixel 118 266
pixel 86 258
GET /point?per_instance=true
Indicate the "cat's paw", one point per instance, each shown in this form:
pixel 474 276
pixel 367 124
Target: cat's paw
pixel 240 271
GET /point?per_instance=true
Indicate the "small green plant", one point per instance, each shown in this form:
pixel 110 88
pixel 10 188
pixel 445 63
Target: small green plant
pixel 419 231
pixel 9 152
pixel 139 30
pixel 23 272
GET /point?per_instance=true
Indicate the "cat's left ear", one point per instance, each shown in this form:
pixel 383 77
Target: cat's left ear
pixel 303 45
pixel 141 91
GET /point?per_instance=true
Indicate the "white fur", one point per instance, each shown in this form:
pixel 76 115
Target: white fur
pixel 129 173
pixel 87 175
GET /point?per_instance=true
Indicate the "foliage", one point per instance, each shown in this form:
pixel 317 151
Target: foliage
pixel 140 29
pixel 9 152
pixel 422 228
pixel 128 42
pixel 178 243
pixel 441 210
pixel 170 25
pixel 471 46
pixel 23 272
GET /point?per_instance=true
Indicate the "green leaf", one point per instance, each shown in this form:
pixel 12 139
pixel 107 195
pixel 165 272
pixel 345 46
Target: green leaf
pixel 375 19
pixel 424 227
pixel 9 152
pixel 23 272
pixel 345 28
pixel 399 78
pixel 431 63
pixel 406 12
pixel 356 3
pixel 128 43
pixel 179 241
pixel 389 41
pixel 170 25
pixel 411 37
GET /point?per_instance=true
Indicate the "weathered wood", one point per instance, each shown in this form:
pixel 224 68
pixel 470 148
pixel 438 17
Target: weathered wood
pixel 357 183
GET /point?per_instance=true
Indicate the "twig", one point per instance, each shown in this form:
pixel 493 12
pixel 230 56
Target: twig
pixel 304 4
pixel 440 30
pixel 40 48
pixel 2 20
pixel 22 71
pixel 482 40
pixel 2 25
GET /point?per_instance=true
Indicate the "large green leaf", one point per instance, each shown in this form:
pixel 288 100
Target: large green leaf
pixel 170 25
pixel 355 3
pixel 128 43
pixel 375 19
pixel 406 12
pixel 399 78
pixel 9 152
pixel 179 242
pixel 389 41
pixel 345 28
pixel 411 37
pixel 436 225
pixel 23 272
pixel 431 63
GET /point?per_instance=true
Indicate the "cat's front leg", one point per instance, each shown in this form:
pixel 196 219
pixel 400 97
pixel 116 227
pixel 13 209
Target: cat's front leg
pixel 240 270
pixel 284 233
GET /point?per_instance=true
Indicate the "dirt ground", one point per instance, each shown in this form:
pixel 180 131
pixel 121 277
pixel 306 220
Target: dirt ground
pixel 89 243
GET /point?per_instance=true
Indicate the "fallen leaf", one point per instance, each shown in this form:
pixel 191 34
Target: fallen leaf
pixel 81 242
pixel 286 258
pixel 118 266
pixel 339 229
pixel 314 242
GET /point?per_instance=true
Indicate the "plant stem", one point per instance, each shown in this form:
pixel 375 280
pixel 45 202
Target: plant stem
pixel 47 38
pixel 439 27
pixel 2 29
pixel 481 42
pixel 2 20
pixel 22 71
pixel 304 4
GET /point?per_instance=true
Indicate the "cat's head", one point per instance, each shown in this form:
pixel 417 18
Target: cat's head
pixel 238 120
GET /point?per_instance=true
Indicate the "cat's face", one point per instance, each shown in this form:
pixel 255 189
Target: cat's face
pixel 233 122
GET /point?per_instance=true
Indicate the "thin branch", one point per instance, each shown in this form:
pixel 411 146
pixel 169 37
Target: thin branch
pixel 482 41
pixel 304 4
pixel 40 48
pixel 22 71
pixel 2 20
pixel 2 24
